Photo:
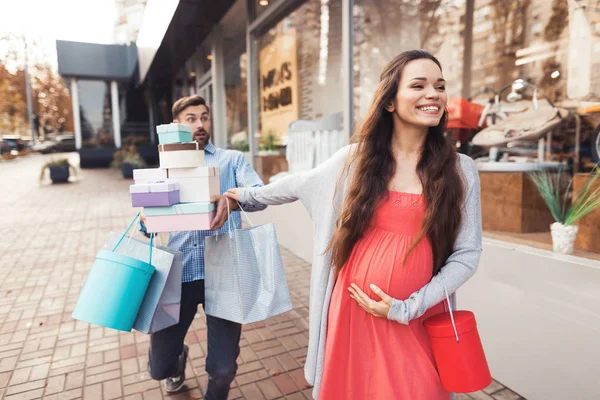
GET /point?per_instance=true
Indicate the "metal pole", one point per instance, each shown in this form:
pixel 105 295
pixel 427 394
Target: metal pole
pixel 28 91
pixel 116 114
pixel 251 82
pixel 76 114
pixel 347 68
pixel 219 111
pixel 151 116
pixel 468 51
pixel 577 142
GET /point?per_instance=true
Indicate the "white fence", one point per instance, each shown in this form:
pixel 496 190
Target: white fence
pixel 312 142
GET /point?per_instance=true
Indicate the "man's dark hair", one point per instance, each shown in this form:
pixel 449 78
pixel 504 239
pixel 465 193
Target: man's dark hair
pixel 186 102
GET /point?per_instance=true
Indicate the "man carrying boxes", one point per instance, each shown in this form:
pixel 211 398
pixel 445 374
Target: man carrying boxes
pixel 199 172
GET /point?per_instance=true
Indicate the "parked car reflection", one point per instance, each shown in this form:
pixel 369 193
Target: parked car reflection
pixel 61 144
pixel 16 143
pixel 5 147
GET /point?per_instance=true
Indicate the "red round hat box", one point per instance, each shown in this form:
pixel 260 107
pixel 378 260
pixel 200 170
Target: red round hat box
pixel 462 365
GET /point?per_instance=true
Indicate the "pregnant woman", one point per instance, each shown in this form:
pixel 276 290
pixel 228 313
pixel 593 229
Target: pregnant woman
pixel 397 220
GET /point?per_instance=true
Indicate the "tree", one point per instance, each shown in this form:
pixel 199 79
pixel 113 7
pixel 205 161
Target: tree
pixel 53 105
pixel 12 102
pixel 51 99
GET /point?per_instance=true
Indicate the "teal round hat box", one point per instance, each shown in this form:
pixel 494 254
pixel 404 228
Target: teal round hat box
pixel 114 290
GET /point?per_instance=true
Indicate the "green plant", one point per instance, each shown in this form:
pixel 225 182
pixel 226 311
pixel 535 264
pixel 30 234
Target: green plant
pixel 244 146
pixel 135 159
pixel 60 162
pixel 268 144
pixel 118 158
pixel 127 155
pixel 562 209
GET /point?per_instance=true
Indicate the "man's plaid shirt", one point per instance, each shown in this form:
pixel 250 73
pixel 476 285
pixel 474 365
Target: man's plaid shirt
pixel 235 172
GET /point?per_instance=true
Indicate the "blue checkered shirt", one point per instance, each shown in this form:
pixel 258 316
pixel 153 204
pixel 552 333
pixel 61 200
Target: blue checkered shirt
pixel 235 172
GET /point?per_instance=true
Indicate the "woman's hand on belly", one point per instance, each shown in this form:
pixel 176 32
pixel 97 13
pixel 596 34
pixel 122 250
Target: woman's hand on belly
pixel 377 308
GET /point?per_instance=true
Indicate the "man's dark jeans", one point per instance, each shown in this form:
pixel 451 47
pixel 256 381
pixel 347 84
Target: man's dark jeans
pixel 223 345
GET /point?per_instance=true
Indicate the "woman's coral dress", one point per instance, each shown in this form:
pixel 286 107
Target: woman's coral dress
pixel 367 357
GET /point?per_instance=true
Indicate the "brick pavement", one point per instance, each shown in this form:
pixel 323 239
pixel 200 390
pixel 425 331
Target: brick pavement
pixel 49 237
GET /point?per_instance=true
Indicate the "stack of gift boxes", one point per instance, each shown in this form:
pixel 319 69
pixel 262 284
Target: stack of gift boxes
pixel 176 196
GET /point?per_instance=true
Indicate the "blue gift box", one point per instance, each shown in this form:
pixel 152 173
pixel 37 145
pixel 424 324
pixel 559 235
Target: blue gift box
pixel 174 133
pixel 182 208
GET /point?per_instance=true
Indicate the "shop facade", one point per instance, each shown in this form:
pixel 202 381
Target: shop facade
pixel 267 64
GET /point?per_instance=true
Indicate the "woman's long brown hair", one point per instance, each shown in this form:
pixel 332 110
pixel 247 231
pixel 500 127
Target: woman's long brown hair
pixel 374 166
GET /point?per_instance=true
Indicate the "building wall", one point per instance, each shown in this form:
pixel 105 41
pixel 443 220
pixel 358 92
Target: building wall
pixel 130 15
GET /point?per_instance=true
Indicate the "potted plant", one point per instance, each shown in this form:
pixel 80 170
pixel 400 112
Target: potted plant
pixel 132 161
pixel 96 152
pixel 566 211
pixel 147 151
pixel 128 160
pixel 268 146
pixel 59 170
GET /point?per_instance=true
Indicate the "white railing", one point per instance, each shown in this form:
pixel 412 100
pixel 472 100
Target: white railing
pixel 310 143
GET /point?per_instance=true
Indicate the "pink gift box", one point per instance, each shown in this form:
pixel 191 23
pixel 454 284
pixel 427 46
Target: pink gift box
pixel 180 223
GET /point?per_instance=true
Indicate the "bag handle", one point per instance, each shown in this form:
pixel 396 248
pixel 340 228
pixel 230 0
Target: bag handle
pixel 151 243
pixel 450 309
pixel 127 231
pixel 229 214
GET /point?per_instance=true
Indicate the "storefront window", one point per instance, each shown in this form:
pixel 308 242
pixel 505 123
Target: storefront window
pixel 95 113
pixel 300 66
pixel 385 28
pixel 236 89
pixel 548 43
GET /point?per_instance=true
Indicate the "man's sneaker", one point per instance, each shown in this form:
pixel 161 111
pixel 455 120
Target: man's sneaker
pixel 174 383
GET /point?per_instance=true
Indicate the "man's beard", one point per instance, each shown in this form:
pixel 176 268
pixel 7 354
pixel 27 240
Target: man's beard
pixel 202 137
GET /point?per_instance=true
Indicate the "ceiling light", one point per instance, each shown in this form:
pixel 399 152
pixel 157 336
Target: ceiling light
pixel 263 3
pixel 555 74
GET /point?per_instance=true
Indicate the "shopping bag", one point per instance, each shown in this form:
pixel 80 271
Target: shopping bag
pixel 244 278
pixel 457 350
pixel 115 287
pixel 161 305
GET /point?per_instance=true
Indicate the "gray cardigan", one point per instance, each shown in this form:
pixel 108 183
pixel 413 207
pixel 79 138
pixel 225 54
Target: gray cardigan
pixel 316 189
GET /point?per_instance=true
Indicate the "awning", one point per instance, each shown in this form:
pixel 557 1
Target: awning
pixel 95 61
pixel 171 32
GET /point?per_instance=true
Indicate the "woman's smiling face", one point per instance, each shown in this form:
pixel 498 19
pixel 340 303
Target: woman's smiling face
pixel 421 98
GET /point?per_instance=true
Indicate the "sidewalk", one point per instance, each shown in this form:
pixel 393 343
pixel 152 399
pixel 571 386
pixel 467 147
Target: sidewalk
pixel 49 237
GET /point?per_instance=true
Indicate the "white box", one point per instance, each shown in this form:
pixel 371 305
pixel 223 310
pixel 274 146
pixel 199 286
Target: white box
pixel 181 158
pixel 149 174
pixel 196 184
pixel 154 186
